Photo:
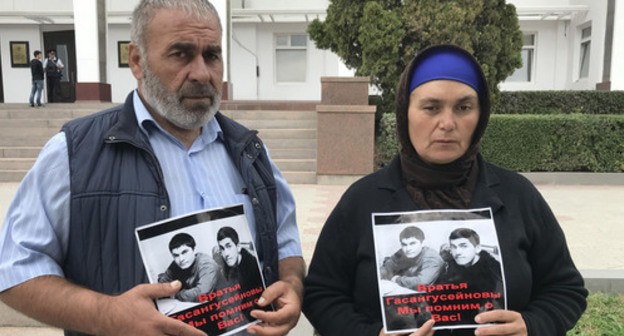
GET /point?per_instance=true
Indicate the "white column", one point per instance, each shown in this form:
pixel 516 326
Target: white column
pixel 222 8
pixel 87 41
pixel 617 55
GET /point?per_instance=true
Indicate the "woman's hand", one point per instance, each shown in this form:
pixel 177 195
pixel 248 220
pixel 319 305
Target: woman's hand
pixel 424 330
pixel 509 323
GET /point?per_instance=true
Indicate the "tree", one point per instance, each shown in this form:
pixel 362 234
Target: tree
pixel 378 38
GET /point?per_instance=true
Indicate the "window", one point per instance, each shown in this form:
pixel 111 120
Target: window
pixel 524 74
pixel 291 57
pixel 585 51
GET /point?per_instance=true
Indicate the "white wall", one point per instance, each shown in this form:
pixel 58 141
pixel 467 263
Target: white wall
pixel 121 5
pixel 285 4
pixel 243 61
pixel 617 66
pixel 319 63
pixel 121 79
pixel 596 16
pixel 17 81
pixel 539 3
pixel 36 6
pixel 549 62
pixel 556 66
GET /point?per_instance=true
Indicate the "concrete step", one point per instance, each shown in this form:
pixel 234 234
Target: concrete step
pixel 19 152
pixel 14 170
pixel 33 123
pixel 20 132
pixel 12 175
pixel 296 164
pixel 16 163
pixel 269 115
pixel 44 113
pixel 292 144
pixel 287 134
pixel 299 177
pixel 279 123
pixel 289 153
pixel 23 140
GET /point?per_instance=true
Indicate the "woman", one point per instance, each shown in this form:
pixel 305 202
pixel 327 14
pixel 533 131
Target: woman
pixel 442 111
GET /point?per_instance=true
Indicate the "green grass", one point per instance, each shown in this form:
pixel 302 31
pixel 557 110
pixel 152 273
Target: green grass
pixel 604 316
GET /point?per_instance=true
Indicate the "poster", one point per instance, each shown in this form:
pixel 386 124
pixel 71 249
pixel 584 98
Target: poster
pixel 440 264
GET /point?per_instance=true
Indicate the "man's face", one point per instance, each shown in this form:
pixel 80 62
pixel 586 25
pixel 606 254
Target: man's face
pixel 464 252
pixel 181 73
pixel 411 247
pixel 442 117
pixel 229 251
pixel 183 256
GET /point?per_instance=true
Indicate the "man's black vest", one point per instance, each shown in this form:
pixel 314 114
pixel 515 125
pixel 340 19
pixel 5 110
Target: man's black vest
pixel 117 185
pixel 51 69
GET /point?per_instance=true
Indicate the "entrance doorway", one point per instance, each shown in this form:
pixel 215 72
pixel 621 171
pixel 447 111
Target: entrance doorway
pixel 64 44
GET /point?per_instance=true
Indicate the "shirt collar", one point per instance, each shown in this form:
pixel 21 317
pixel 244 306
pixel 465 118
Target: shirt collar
pixel 209 133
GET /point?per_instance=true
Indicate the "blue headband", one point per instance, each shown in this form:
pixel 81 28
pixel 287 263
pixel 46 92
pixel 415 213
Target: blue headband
pixel 447 63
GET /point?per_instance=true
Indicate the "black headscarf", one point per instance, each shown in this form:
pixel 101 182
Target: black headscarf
pixel 439 186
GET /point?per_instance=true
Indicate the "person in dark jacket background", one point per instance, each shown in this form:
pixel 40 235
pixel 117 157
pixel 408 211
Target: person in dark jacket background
pixel 53 67
pixel 36 72
pixel 442 110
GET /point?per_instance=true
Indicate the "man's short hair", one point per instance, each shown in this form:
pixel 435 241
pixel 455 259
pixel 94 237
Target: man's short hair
pixel 412 231
pixel 37 53
pixel 227 232
pixel 469 234
pixel 181 239
pixel 146 9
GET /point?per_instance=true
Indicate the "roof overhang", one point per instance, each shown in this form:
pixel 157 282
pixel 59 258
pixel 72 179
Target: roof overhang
pixel 550 13
pixel 42 18
pixel 241 15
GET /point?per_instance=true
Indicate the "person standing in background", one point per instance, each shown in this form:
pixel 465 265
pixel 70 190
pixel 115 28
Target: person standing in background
pixel 36 72
pixel 54 71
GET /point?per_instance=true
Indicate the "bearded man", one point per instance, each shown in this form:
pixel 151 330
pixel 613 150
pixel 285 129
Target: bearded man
pixel 67 252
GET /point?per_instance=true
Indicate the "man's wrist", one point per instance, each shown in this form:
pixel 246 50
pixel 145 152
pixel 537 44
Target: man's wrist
pixel 292 272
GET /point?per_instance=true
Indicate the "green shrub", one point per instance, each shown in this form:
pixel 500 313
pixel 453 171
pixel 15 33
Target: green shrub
pixel 604 316
pixel 564 143
pixel 560 102
pixel 387 143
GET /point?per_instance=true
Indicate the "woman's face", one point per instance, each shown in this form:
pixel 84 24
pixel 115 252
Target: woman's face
pixel 442 116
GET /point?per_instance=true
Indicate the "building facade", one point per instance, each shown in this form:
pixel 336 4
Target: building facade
pixel 568 45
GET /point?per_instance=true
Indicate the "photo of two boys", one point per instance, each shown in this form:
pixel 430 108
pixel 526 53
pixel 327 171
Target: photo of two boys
pixel 444 265
pixel 213 256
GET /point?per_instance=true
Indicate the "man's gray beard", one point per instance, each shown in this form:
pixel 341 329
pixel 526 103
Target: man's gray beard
pixel 169 105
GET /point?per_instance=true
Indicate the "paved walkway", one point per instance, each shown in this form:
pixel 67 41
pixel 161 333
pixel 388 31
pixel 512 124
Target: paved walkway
pixel 592 217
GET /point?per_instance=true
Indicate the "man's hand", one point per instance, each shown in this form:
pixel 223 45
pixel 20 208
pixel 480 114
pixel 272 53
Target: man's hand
pixel 509 323
pixel 60 303
pixel 288 309
pixel 286 296
pixel 126 310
